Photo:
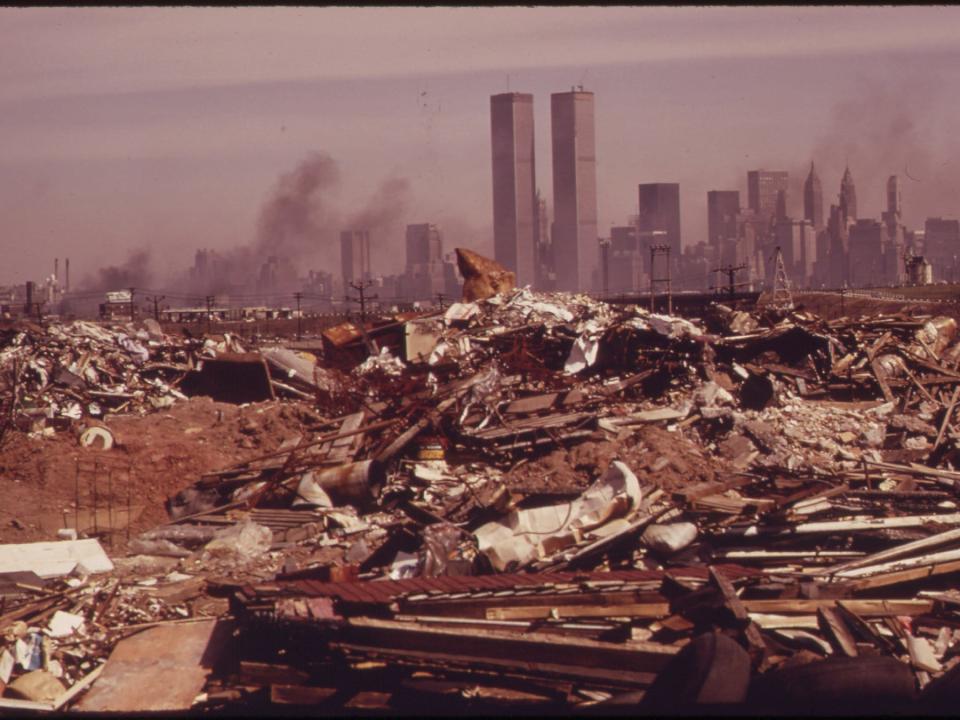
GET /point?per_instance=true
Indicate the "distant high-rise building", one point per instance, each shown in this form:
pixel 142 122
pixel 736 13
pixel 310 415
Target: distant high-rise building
pixel 895 268
pixel 723 213
pixel 424 244
pixel 545 277
pixel 767 193
pixel 848 197
pixel 941 246
pixel 659 210
pixel 574 236
pixel 625 260
pixel 515 217
pixel 425 275
pixel 355 256
pixel 868 248
pixel 813 199
pixel 893 196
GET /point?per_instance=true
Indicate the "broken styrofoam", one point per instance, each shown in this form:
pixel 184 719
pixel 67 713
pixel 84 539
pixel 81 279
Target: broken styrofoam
pixel 63 624
pixel 55 559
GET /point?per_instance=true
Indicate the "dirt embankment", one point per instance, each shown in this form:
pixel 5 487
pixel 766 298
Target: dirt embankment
pixel 154 456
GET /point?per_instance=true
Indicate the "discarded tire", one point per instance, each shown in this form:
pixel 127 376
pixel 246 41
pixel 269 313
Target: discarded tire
pixel 711 670
pixel 842 685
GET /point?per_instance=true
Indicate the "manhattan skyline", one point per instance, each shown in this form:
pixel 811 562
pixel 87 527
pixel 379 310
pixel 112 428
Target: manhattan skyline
pixel 166 129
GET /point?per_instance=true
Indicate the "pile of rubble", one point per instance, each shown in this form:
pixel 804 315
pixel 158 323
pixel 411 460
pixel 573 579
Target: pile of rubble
pixel 543 502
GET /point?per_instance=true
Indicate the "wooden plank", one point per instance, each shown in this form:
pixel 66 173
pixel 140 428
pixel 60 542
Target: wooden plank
pixel 903 576
pixel 946 417
pixel 536 612
pixel 898 551
pixel 853 525
pixel 77 688
pixel 518 666
pixel 532 647
pixel 868 608
pixel 901 564
pixel 881 378
pixel 532 404
pixel 836 631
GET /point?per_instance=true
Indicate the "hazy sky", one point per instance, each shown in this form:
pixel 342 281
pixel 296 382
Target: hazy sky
pixel 168 128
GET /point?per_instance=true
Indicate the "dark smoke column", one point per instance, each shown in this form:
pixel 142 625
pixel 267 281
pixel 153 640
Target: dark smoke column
pixel 515 216
pixel 574 190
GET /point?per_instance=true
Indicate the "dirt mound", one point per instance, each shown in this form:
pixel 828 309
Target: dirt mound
pixel 153 457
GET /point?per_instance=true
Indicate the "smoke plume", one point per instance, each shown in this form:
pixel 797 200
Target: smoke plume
pixel 885 130
pixel 135 272
pixel 384 213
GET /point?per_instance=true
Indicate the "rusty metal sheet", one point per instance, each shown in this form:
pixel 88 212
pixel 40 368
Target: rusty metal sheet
pixel 340 335
pixel 160 669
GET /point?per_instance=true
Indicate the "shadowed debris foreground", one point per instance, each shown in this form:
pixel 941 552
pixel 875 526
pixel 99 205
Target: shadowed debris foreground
pixel 521 502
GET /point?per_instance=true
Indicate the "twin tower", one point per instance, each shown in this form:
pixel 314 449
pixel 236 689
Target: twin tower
pixel 569 260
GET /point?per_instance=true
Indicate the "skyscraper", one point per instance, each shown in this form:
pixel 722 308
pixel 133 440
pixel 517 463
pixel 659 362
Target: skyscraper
pixel 848 197
pixel 515 216
pixel 355 256
pixel 723 210
pixel 574 236
pixel 813 199
pixel 659 210
pixel 767 193
pixel 425 275
pixel 424 244
pixel 894 203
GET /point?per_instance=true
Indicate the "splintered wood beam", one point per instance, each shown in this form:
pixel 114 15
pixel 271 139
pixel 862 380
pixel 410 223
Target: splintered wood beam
pixel 946 417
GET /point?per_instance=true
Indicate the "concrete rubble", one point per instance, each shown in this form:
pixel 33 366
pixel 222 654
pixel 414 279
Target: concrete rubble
pixel 528 502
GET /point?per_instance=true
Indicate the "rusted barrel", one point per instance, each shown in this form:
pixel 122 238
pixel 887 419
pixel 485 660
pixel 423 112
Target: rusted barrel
pixel 352 483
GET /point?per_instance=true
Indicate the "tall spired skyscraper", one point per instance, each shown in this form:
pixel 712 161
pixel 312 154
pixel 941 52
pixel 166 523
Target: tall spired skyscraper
pixel 515 217
pixel 574 238
pixel 813 199
pixel 848 197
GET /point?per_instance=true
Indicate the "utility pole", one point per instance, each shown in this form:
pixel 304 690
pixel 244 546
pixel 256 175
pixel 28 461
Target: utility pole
pixel 132 290
pixel 209 312
pixel 440 301
pixel 361 288
pixel 297 296
pixel 156 305
pixel 660 250
pixel 731 272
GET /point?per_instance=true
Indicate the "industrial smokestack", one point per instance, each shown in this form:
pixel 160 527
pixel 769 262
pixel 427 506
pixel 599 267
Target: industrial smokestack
pixel 66 279
pixel 56 269
pixel 28 306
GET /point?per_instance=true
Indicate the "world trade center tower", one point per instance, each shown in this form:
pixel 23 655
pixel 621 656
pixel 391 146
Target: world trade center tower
pixel 515 217
pixel 574 190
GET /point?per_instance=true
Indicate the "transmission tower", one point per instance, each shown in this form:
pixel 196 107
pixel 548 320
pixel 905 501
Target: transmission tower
pixel 782 297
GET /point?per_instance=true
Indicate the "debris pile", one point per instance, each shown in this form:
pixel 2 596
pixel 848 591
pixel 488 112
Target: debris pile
pixel 55 375
pixel 544 502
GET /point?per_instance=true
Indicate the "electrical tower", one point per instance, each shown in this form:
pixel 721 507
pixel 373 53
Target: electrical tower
pixel 782 297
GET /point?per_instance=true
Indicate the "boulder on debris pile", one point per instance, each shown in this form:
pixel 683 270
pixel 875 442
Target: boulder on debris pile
pixel 483 277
